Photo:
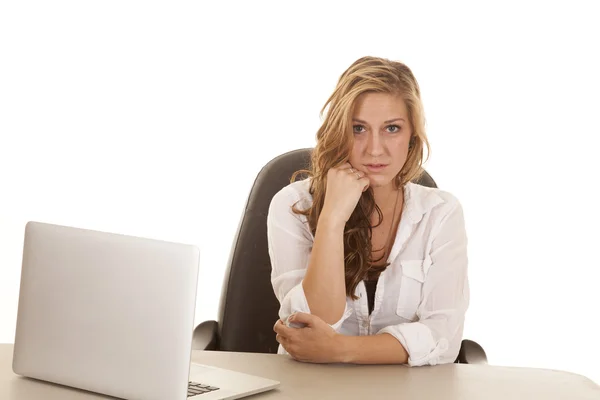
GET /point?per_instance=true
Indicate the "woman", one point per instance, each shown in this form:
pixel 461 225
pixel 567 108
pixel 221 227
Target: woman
pixel 369 267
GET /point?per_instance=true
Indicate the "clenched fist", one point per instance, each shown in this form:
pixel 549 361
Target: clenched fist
pixel 345 185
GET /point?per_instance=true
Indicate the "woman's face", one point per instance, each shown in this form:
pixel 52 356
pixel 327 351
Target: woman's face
pixel 382 134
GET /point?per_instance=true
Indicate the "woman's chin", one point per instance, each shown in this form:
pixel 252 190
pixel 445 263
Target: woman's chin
pixel 379 181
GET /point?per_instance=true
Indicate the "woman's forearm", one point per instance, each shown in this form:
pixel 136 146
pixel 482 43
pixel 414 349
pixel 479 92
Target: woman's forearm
pixel 372 349
pixel 324 283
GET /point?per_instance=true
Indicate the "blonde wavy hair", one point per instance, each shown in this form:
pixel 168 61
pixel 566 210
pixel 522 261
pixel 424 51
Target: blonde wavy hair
pixel 334 144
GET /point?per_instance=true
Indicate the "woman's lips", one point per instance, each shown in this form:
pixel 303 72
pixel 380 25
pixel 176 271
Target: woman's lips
pixel 375 167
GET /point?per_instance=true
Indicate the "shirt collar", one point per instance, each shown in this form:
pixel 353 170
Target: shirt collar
pixel 419 200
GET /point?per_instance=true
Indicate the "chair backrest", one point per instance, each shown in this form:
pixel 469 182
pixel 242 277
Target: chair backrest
pixel 248 308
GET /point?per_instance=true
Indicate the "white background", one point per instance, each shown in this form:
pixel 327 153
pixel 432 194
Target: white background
pixel 153 118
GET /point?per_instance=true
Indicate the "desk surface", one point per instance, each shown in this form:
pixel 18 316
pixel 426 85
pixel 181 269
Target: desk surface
pixel 314 381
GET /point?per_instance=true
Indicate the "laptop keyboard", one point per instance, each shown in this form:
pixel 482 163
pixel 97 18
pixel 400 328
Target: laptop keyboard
pixel 195 389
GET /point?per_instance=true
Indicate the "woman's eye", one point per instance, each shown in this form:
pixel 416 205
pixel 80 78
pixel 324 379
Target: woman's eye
pixel 393 128
pixel 358 128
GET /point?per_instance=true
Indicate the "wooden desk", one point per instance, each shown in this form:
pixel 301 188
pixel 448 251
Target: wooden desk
pixel 322 382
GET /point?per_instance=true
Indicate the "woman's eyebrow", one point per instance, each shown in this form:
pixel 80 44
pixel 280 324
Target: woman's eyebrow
pixel 394 120
pixel 385 122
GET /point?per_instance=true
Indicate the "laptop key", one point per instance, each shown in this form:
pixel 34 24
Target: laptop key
pixel 195 389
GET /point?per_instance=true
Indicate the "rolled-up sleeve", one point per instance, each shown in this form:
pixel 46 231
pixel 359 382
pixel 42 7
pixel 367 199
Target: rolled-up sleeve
pixel 436 336
pixel 290 242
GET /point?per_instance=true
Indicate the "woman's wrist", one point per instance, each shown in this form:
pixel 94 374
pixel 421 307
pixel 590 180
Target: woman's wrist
pixel 343 349
pixel 329 222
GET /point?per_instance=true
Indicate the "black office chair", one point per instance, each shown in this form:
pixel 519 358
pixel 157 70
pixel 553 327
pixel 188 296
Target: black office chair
pixel 248 308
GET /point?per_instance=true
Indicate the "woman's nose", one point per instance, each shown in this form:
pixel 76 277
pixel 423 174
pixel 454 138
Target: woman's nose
pixel 375 145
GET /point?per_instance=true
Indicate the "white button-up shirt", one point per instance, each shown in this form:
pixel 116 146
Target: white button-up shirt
pixel 422 296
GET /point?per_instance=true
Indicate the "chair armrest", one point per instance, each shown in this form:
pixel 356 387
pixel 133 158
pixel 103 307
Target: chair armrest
pixel 205 336
pixel 471 353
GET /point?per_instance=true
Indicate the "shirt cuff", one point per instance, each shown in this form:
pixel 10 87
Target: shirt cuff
pixel 418 341
pixel 295 301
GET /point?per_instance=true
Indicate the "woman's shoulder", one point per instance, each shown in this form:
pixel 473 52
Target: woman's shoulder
pixel 432 192
pixel 295 193
pixel 426 199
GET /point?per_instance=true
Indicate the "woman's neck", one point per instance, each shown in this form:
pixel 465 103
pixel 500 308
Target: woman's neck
pixel 390 201
pixel 385 196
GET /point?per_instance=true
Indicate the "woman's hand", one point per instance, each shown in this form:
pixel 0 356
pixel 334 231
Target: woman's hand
pixel 316 342
pixel 344 188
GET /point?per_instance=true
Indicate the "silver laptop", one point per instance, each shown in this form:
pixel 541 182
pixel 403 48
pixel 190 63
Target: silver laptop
pixel 114 314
